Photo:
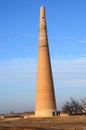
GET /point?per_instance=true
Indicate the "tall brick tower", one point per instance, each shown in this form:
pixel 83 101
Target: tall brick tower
pixel 45 96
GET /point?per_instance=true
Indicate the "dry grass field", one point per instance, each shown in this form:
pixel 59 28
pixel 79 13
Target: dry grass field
pixel 55 123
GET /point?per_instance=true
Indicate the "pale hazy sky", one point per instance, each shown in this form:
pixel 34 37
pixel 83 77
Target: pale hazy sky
pixel 19 30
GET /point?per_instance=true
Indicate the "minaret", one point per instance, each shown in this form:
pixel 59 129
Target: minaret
pixel 45 96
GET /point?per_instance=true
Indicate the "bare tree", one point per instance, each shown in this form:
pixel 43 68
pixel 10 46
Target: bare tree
pixel 72 107
pixel 83 104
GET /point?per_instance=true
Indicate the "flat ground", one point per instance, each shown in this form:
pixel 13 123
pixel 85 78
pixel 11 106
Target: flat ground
pixel 55 123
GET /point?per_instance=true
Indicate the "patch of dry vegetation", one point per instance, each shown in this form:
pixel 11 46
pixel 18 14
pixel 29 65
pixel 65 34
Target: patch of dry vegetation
pixel 55 123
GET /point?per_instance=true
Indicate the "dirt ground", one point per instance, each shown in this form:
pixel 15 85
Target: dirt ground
pixel 55 123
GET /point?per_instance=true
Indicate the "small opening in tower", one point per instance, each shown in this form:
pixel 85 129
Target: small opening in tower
pixel 42 17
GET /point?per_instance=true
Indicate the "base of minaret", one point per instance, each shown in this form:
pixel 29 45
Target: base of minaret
pixel 45 113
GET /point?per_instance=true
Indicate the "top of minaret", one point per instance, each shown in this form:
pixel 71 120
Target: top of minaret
pixel 42 13
pixel 42 9
pixel 43 40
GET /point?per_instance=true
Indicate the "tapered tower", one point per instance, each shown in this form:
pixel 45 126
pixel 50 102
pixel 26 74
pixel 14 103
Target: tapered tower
pixel 45 96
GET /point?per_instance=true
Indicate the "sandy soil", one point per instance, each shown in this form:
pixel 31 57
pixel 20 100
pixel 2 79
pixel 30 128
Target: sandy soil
pixel 55 123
